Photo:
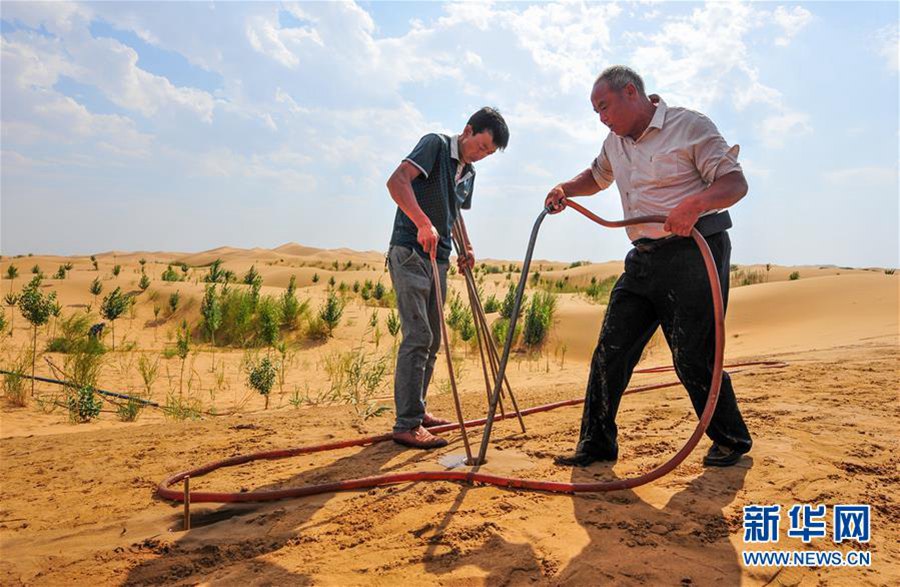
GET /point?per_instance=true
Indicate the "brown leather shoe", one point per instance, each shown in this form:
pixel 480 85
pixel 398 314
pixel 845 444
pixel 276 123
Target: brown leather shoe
pixel 419 438
pixel 431 420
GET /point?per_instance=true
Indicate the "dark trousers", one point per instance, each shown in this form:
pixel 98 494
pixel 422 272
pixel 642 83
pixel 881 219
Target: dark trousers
pixel 666 286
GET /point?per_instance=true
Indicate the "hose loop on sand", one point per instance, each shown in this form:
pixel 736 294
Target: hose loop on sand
pixel 473 475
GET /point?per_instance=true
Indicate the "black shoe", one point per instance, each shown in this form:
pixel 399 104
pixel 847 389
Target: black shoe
pixel 720 456
pixel 582 459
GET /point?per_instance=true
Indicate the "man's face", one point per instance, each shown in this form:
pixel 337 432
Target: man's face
pixel 474 147
pixel 617 109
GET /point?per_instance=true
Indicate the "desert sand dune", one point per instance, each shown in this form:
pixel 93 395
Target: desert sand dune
pixel 77 504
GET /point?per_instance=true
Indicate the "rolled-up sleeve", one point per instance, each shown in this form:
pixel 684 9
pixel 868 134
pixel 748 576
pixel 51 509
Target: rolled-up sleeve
pixel 601 169
pixel 712 155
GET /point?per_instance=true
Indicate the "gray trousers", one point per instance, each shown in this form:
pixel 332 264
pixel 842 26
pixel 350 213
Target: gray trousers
pixel 421 326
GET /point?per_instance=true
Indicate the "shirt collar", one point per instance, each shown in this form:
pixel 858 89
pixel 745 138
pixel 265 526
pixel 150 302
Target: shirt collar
pixel 454 147
pixel 659 118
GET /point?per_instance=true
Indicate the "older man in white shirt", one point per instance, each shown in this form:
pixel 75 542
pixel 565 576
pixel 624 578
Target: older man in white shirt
pixel 672 162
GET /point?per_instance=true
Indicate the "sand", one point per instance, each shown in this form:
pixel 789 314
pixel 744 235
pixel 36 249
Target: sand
pixel 77 501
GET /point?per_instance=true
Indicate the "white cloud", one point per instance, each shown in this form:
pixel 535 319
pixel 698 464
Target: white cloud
pixel 281 44
pixel 864 176
pixel 695 58
pixel 316 115
pixel 701 59
pixel 888 46
pixel 791 23
pixel 776 129
pixel 753 169
pixel 283 97
pixel 35 114
pixel 112 67
pixel 569 42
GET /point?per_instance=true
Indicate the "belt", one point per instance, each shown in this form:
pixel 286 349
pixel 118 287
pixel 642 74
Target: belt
pixel 706 225
pixel 649 245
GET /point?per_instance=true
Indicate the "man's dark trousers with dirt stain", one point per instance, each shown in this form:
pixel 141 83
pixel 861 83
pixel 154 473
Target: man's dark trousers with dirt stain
pixel 666 285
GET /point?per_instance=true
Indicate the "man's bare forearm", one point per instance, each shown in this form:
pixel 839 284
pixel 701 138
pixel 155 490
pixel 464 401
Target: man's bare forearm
pixel 723 193
pixel 402 193
pixel 582 184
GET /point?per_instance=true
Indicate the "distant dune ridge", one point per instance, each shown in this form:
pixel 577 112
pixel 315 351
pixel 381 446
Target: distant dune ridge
pixel 825 305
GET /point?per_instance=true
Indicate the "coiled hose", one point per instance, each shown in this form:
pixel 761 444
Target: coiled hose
pixel 473 476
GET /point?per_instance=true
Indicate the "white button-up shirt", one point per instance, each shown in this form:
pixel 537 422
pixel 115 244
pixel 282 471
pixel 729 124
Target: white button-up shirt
pixel 678 155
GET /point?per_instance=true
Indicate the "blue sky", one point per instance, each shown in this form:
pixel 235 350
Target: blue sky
pixel 187 126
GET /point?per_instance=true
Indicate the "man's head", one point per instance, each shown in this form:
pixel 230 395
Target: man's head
pixel 485 132
pixel 618 97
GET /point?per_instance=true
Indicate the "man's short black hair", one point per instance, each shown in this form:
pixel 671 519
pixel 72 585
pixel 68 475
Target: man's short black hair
pixel 490 119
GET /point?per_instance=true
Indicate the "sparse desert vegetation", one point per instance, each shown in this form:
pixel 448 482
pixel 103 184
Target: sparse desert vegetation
pixel 222 353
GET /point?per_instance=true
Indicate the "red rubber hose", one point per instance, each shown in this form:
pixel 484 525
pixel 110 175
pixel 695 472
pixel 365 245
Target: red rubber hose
pixel 473 476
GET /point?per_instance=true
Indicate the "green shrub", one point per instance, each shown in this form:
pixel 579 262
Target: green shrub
pixel 144 283
pixel 491 305
pixel 457 311
pixel 261 377
pixel 37 309
pixel 794 276
pixel 538 319
pixel 291 309
pixel 179 408
pixel 467 327
pixel 317 329
pixel 506 307
pixel 393 323
pixel 182 348
pixel 500 328
pixel 268 321
pixel 599 291
pixel 331 311
pixel 171 275
pixel 149 371
pixel 356 377
pixel 84 363
pixel 71 332
pixel 174 300
pixel 60 273
pixel 211 311
pixel 218 275
pixel 130 410
pixel 238 311
pixel 116 270
pixel 12 272
pixel 254 293
pixel 252 276
pixel 11 300
pixel 83 405
pixel 14 382
pixel 96 288
pixel 113 306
